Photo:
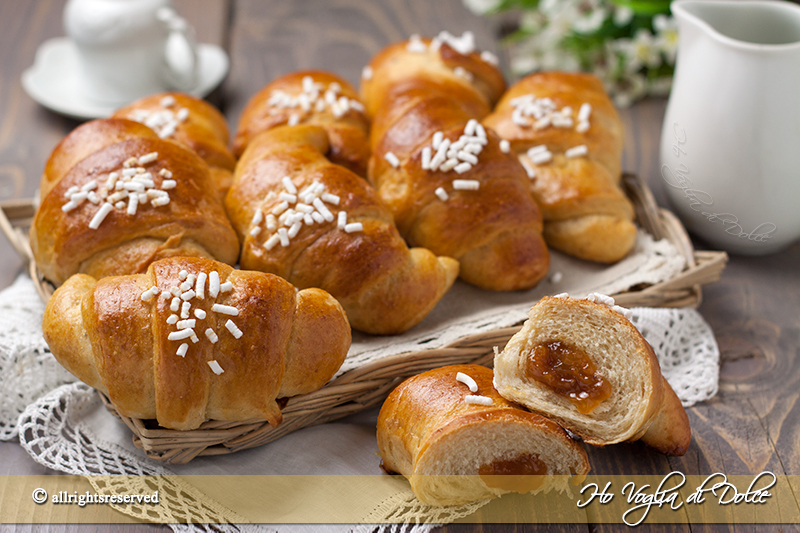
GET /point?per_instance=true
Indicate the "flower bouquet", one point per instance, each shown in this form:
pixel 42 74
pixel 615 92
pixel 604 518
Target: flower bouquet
pixel 629 44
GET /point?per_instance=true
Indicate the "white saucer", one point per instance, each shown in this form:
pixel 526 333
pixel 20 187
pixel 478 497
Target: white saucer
pixel 53 79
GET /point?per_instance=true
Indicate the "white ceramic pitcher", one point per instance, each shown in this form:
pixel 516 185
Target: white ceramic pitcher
pixel 730 144
pixel 130 48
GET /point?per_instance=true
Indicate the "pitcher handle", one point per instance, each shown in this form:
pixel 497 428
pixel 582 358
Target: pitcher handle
pixel 181 60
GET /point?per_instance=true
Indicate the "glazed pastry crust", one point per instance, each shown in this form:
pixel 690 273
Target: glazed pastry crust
pixel 494 232
pixel 192 223
pixel 348 134
pixel 107 336
pixel 85 140
pixel 586 213
pixel 204 131
pixel 430 435
pixel 384 286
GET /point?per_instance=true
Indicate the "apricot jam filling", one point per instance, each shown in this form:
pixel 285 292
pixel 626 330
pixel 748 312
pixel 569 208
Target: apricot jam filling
pixel 522 474
pixel 570 373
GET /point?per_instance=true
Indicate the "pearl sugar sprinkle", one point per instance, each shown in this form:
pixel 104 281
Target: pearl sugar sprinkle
pixel 314 96
pixel 185 329
pixel 165 120
pixel 460 156
pixel 298 208
pixel 464 45
pixel 124 189
pixel 540 113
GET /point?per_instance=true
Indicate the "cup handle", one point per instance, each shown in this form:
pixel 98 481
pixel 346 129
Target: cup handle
pixel 181 62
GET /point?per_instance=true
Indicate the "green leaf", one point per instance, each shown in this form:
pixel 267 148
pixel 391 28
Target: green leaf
pixel 645 7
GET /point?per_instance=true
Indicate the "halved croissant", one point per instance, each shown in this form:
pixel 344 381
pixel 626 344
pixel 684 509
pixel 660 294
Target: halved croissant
pixel 588 368
pixel 311 97
pixel 254 339
pixel 475 205
pixel 355 253
pixel 191 122
pixel 454 452
pixel 575 175
pixel 126 205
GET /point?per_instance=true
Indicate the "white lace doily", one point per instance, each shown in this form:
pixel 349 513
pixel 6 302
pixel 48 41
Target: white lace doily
pixel 28 370
pixel 52 419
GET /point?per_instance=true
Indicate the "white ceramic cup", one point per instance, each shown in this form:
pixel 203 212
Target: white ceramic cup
pixel 128 49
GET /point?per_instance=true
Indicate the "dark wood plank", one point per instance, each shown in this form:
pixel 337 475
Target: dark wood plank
pixel 27 131
pixel 271 38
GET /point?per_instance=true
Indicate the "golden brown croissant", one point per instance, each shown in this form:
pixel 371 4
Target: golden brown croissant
pixel 569 137
pixel 311 97
pixel 446 179
pixel 85 140
pixel 317 224
pixel 586 366
pixel 453 451
pixel 125 205
pixel 191 122
pixel 193 339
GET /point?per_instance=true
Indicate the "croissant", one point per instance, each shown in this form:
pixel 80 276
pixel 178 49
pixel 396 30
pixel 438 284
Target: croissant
pixel 586 366
pixel 135 199
pixel 317 224
pixel 457 440
pixel 311 97
pixel 191 122
pixel 83 141
pixel 449 183
pixel 193 339
pixel 569 137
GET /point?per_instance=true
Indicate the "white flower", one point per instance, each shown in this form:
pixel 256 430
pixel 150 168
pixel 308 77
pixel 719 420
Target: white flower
pixel 667 37
pixel 560 21
pixel 623 15
pixel 590 21
pixel 640 51
pixel 555 8
pixel 481 7
pixel 541 52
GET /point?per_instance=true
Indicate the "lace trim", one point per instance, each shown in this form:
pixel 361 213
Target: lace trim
pixel 28 369
pixel 51 432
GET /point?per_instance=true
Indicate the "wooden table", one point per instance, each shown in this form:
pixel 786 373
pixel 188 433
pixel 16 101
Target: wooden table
pixel 752 425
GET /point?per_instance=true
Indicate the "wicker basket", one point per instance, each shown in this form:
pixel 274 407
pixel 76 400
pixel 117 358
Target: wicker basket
pixel 367 386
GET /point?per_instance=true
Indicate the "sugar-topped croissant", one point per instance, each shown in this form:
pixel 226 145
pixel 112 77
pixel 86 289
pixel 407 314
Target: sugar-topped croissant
pixel 583 364
pixel 457 440
pixel 115 197
pixel 569 137
pixel 191 122
pixel 311 97
pixel 193 339
pixel 451 185
pixel 317 224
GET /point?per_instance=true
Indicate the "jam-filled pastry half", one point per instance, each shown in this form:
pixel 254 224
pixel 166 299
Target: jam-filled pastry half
pixel 456 440
pixel 583 364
